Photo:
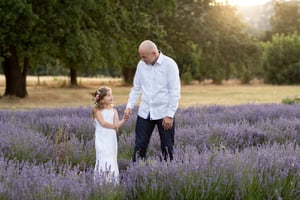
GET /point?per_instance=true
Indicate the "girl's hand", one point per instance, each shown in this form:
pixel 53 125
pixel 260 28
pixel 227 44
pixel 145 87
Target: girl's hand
pixel 126 116
pixel 128 112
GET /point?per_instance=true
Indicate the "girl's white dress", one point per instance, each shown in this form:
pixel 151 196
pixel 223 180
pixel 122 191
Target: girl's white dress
pixel 106 168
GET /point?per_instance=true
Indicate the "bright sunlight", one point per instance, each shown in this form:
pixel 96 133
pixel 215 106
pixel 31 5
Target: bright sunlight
pixel 242 3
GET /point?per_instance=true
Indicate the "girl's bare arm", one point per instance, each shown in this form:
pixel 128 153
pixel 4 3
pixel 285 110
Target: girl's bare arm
pixel 98 115
pixel 117 121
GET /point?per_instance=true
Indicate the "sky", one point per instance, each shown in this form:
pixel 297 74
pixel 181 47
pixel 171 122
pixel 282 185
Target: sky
pixel 245 2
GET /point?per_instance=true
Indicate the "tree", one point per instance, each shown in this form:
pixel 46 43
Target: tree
pixel 39 31
pixel 136 21
pixel 282 63
pixel 286 19
pixel 81 33
pixel 22 33
pixel 211 41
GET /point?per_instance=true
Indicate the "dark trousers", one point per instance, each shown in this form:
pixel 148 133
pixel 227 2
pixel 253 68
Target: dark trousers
pixel 143 132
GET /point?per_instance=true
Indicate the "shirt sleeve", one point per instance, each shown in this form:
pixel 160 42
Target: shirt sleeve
pixel 174 89
pixel 135 91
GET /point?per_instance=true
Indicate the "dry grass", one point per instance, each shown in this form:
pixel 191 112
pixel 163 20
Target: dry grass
pixel 53 92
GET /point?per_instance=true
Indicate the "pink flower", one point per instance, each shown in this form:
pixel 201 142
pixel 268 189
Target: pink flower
pixel 96 98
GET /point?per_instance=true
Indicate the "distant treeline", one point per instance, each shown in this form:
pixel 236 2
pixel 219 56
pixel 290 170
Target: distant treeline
pixel 209 40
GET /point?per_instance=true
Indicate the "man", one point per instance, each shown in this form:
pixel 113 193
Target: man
pixel 157 80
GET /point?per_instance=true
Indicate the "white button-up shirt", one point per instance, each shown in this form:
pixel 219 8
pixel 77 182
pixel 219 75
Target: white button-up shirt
pixel 159 85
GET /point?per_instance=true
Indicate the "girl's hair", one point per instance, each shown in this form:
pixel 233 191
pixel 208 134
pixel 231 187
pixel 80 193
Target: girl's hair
pixel 99 95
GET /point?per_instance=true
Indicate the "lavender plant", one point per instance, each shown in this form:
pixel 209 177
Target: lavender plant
pixel 221 152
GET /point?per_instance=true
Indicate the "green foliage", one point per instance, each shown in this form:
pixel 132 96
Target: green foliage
pixel 91 37
pixel 80 37
pixel 291 100
pixel 210 41
pixel 282 63
pixel 24 25
pixel 187 78
pixel 246 76
pixel 286 18
pixel 73 31
pixel 147 16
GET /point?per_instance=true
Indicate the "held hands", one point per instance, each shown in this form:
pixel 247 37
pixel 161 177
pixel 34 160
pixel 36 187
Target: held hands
pixel 125 118
pixel 127 113
pixel 167 123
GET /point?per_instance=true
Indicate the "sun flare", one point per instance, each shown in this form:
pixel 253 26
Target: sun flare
pixel 243 3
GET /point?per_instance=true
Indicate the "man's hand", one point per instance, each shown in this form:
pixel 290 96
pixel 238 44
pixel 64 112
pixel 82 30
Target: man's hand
pixel 127 112
pixel 167 123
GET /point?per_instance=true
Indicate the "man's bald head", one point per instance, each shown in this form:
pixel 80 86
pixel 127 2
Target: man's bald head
pixel 148 46
pixel 148 52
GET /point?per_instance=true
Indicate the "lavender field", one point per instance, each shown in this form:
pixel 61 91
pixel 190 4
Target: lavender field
pixel 221 152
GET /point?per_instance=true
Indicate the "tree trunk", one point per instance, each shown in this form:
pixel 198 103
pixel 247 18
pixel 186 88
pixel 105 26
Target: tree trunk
pixel 128 74
pixel 15 79
pixel 73 76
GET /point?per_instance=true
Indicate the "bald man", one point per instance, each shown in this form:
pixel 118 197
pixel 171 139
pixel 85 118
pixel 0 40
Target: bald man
pixel 157 81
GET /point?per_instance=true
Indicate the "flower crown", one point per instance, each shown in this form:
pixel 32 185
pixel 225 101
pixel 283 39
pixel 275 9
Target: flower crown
pixel 97 97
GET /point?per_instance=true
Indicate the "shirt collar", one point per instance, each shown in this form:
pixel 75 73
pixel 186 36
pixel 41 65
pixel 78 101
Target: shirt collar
pixel 160 58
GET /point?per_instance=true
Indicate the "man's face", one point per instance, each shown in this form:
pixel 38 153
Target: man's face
pixel 147 57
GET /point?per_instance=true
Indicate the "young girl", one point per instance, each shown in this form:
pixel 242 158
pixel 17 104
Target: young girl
pixel 107 123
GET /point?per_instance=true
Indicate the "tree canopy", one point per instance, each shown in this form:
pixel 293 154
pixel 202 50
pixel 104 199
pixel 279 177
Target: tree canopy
pixel 286 18
pixel 206 38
